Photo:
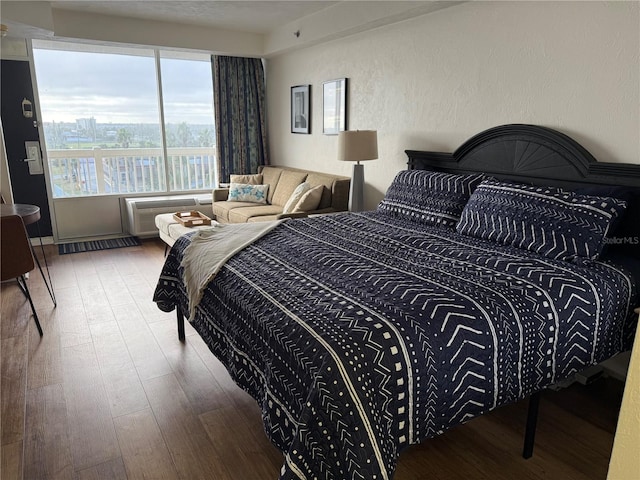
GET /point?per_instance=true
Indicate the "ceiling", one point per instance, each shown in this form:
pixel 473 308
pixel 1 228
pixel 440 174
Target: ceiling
pixel 240 15
pixel 238 27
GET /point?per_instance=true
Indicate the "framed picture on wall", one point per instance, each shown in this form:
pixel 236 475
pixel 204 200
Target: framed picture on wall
pixel 334 106
pixel 300 109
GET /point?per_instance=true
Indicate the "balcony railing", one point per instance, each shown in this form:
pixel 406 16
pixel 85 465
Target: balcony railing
pixel 99 171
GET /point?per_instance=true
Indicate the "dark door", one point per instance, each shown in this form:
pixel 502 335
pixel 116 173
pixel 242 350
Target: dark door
pixel 15 83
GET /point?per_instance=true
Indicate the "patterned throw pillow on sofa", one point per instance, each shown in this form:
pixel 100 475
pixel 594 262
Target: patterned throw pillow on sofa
pixel 549 221
pixel 242 192
pixel 432 198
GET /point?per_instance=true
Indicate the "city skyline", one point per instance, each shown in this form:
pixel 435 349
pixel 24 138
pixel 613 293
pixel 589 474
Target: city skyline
pixel 85 131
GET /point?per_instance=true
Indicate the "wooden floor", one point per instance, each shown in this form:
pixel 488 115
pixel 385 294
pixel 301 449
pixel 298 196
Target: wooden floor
pixel 110 393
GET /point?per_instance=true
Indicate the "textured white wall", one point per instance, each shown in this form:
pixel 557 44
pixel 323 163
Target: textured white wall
pixel 432 82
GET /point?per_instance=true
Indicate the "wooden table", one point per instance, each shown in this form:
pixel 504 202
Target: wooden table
pixel 31 214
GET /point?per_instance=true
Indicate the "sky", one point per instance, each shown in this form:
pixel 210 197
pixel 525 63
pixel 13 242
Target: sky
pixel 115 88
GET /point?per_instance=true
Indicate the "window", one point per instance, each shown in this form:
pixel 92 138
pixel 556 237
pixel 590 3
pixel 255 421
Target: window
pixel 187 96
pixel 102 109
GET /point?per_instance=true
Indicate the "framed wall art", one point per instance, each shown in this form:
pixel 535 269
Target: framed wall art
pixel 300 109
pixel 334 106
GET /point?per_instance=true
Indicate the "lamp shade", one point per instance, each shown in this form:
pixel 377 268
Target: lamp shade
pixel 357 145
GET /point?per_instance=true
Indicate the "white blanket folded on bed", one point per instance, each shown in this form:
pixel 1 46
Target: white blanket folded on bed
pixel 210 249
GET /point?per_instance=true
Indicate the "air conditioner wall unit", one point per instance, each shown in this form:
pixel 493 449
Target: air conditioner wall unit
pixel 141 211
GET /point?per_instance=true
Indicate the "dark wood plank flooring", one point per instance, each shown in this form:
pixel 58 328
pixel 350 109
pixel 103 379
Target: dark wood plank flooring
pixel 110 393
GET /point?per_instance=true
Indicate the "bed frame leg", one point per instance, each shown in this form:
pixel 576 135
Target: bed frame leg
pixel 180 318
pixel 532 420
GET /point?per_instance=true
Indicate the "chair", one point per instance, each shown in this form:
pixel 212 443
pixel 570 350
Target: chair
pixel 17 256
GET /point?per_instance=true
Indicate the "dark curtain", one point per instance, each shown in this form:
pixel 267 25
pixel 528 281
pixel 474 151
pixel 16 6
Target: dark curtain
pixel 239 102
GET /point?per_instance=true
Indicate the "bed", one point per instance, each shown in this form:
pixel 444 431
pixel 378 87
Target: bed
pixel 359 334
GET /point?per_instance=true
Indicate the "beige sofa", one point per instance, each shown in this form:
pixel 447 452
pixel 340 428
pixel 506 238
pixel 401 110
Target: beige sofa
pixel 282 182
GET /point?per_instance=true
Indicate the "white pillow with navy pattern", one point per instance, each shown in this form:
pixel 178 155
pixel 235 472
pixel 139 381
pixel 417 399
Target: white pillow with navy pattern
pixel 432 198
pixel 549 221
pixel 243 192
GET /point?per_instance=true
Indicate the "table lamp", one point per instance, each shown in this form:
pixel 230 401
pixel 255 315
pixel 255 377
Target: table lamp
pixel 357 146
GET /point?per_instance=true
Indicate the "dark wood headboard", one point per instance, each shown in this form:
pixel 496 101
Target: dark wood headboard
pixel 529 154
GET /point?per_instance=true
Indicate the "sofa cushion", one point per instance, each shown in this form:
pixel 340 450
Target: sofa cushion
pixel 243 192
pixel 287 183
pixel 315 179
pixel 242 215
pixel 263 218
pixel 310 200
pixel 270 176
pixel 247 179
pixel 295 197
pixel 221 209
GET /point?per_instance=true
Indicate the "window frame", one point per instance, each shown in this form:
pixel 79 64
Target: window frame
pixel 166 166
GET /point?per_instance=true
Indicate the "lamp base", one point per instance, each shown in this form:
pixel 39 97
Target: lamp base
pixel 356 192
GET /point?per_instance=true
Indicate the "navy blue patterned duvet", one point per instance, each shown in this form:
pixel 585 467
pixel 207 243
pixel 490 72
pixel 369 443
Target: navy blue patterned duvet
pixel 360 334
